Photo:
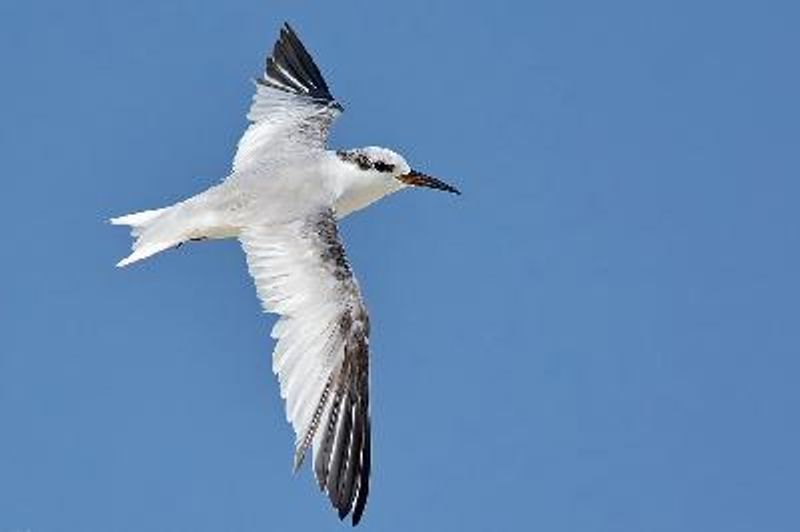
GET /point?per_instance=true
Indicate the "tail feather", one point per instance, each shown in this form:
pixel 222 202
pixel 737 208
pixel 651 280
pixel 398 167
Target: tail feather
pixel 142 252
pixel 147 241
pixel 138 220
pixel 195 218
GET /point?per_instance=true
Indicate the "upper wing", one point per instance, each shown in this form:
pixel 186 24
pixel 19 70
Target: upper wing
pixel 322 352
pixel 292 107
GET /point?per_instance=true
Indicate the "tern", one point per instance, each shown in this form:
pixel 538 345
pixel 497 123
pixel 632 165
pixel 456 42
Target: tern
pixel 282 199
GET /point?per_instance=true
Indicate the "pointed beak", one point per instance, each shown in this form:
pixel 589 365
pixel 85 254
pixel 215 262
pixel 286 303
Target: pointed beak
pixel 418 179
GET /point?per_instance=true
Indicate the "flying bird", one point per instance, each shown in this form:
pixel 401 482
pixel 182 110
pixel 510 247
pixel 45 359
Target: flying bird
pixel 282 199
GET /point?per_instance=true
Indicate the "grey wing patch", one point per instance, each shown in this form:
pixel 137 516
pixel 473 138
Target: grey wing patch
pixel 342 459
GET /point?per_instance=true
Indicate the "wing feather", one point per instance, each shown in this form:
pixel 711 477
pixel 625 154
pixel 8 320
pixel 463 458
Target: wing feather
pixel 322 352
pixel 292 109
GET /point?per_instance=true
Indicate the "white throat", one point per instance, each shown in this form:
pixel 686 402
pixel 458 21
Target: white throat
pixel 356 188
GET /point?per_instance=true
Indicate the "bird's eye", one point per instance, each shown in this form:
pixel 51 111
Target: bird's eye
pixel 381 166
pixel 363 162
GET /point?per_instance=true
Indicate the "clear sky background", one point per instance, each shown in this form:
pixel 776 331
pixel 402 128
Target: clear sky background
pixel 601 334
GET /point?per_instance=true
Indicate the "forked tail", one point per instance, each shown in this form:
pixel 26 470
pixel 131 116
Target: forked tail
pixel 150 230
pixel 196 218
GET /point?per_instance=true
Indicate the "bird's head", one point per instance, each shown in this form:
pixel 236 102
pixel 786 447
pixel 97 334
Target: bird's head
pixel 387 165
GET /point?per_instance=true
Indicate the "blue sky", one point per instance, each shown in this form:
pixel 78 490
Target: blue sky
pixel 600 334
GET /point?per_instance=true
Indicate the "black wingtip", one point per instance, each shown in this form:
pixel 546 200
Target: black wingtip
pixel 366 460
pixel 291 68
pixel 342 459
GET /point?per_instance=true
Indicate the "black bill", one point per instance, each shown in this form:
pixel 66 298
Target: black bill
pixel 418 179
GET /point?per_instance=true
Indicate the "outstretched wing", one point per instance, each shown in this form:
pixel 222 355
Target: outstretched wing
pixel 292 108
pixel 322 353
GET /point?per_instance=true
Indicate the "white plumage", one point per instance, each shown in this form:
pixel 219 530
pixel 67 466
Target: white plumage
pixel 282 199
